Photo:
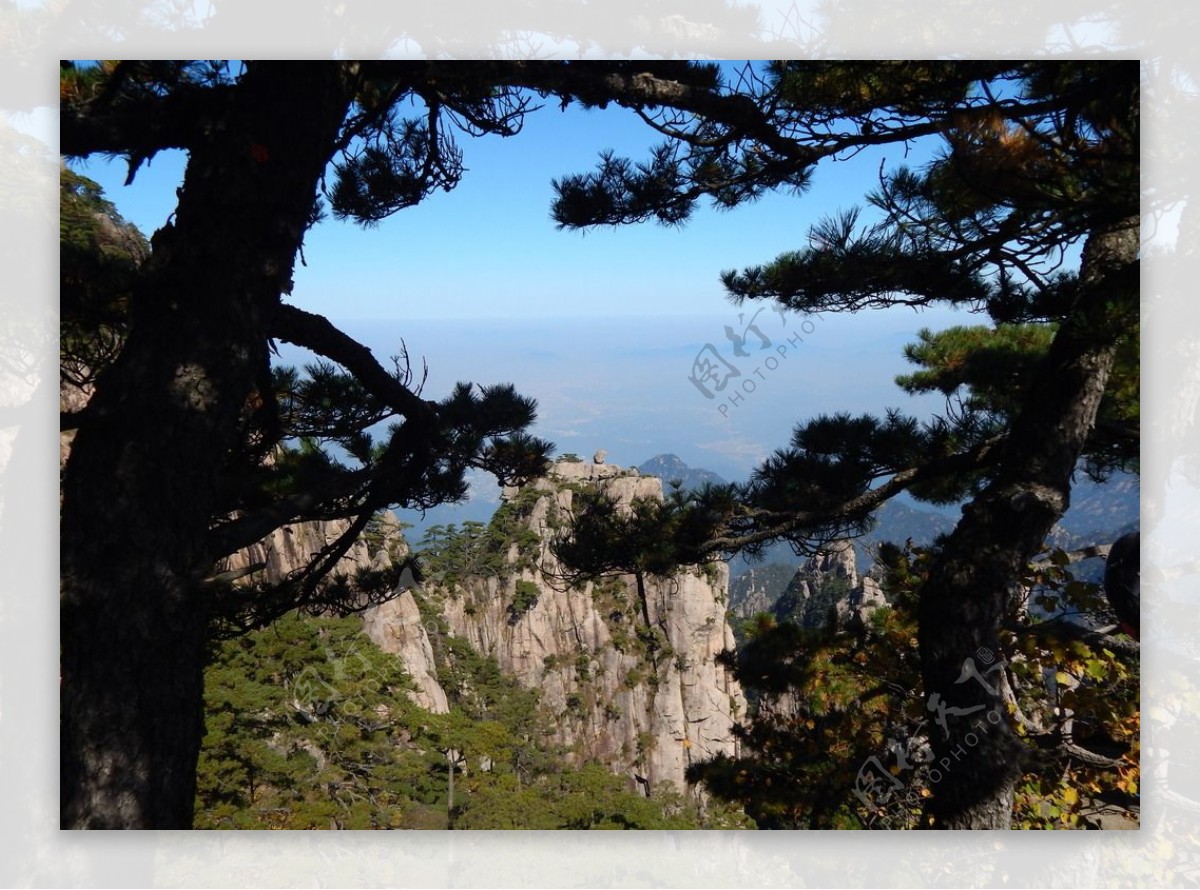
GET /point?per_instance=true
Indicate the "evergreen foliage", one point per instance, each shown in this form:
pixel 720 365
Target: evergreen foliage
pixel 987 371
pixel 1039 164
pixel 309 725
pixel 827 700
pixel 452 554
pixel 99 255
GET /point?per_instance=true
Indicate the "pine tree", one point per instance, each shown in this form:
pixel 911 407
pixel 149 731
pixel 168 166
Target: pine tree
pixel 1039 160
pixel 840 734
pixel 175 460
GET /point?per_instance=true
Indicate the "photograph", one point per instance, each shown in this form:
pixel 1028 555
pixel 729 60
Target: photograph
pixel 564 445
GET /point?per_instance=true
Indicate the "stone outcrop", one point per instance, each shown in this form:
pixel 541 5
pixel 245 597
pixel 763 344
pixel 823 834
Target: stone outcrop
pixel 864 599
pixel 828 588
pixel 291 547
pixel 646 702
pixel 758 588
pixel 71 398
pixel 396 627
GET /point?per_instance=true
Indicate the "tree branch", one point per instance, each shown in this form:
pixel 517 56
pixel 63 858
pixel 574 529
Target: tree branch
pixel 1063 629
pixel 317 333
pixel 1094 550
pixel 785 525
pixel 242 531
pixel 1090 758
pixel 250 607
pixel 143 125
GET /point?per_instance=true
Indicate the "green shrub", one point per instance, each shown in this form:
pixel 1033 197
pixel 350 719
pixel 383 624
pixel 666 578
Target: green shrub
pixel 583 666
pixel 525 597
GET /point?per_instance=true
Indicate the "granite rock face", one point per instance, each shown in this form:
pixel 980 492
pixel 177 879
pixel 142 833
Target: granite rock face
pixel 71 398
pixel 827 589
pixel 757 589
pixel 644 711
pixel 396 627
pixel 291 547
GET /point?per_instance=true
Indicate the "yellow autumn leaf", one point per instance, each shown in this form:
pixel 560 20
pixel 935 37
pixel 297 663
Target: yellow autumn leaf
pixel 1070 796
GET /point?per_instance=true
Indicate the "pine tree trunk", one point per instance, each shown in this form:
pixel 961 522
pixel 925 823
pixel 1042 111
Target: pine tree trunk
pixel 138 488
pixel 975 569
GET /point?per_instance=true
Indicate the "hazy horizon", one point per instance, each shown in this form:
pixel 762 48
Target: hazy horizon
pixel 624 384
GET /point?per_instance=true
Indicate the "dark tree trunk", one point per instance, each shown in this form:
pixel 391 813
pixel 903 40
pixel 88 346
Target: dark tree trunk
pixel 975 569
pixel 138 489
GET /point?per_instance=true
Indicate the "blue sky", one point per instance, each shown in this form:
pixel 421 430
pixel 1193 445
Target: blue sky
pixel 489 248
pixel 601 327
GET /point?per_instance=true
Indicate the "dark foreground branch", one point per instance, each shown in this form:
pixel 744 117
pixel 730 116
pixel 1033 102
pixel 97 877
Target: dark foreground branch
pixel 317 333
pixel 764 525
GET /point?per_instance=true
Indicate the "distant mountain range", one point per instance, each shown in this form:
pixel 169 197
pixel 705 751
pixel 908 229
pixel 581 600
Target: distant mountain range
pixel 1099 513
pixel 671 469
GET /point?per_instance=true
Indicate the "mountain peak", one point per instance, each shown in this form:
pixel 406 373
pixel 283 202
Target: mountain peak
pixel 670 467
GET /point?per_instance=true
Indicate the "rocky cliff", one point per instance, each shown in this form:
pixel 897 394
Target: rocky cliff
pixel 827 589
pixel 293 546
pixel 395 626
pixel 644 701
pixel 758 588
pixel 398 628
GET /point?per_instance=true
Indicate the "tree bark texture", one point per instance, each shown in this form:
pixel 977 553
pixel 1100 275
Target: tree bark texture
pixel 138 489
pixel 974 570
